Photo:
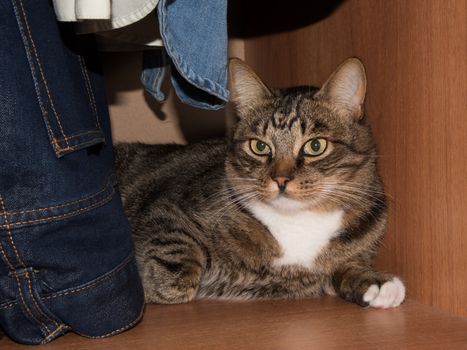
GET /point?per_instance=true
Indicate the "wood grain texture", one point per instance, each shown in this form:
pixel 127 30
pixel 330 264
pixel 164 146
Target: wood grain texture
pixel 415 53
pixel 327 323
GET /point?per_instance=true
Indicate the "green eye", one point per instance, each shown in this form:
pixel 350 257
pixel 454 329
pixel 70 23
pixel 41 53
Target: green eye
pixel 314 147
pixel 259 148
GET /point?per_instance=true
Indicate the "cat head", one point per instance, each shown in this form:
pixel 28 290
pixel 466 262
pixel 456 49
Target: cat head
pixel 301 147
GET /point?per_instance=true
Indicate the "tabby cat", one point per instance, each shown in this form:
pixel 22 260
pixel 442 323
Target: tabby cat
pixel 290 206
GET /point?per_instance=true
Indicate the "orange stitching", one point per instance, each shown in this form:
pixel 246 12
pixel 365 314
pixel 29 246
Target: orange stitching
pixel 7 226
pixel 82 143
pixel 35 302
pixel 8 306
pixel 107 186
pixel 26 306
pixel 72 148
pixel 75 136
pixel 88 85
pixel 11 268
pixel 40 69
pixel 56 143
pixel 60 149
pixel 63 215
pixel 49 128
pixel 48 338
pixel 5 256
pixel 99 281
pixel 10 237
pixel 120 329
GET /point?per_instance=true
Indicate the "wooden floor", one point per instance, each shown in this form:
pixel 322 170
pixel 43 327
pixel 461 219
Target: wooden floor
pixel 327 323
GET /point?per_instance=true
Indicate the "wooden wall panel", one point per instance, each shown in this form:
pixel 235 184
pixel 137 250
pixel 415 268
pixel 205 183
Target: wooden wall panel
pixel 415 53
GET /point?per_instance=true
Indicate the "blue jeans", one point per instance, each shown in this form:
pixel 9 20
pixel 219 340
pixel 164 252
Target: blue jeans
pixel 66 253
pixel 195 47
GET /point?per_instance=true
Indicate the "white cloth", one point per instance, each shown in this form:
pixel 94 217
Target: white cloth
pixel 120 13
pixel 107 17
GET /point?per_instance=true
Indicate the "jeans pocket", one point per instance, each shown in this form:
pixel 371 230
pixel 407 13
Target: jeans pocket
pixel 72 123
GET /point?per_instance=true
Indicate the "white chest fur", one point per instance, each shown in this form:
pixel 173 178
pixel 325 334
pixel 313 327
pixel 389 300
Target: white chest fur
pixel 301 234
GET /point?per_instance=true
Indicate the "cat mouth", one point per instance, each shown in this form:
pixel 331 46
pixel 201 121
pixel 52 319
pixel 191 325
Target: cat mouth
pixel 285 194
pixel 285 202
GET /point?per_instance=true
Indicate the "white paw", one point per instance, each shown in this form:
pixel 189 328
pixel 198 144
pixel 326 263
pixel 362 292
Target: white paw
pixel 391 294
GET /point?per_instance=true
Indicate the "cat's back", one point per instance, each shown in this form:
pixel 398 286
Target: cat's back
pixel 143 167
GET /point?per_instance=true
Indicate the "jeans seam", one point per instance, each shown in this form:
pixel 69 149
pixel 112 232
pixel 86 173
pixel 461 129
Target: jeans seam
pixel 131 324
pixel 8 305
pixel 72 148
pixel 5 257
pixel 7 261
pixel 21 262
pixel 54 333
pixel 26 274
pixel 44 80
pixel 7 226
pixel 65 215
pixel 26 307
pixel 91 284
pixel 102 279
pixel 87 84
pixel 75 135
pixel 62 205
pixel 33 73
pixel 99 280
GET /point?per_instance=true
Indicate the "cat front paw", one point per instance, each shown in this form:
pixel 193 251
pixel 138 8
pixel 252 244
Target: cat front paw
pixel 390 294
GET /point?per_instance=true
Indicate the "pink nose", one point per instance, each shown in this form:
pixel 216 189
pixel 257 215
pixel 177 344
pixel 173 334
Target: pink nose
pixel 281 182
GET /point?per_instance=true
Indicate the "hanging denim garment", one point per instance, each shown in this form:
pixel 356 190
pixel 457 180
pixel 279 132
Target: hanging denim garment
pixel 66 255
pixel 194 34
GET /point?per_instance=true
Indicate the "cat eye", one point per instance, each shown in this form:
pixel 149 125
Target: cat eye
pixel 260 148
pixel 314 147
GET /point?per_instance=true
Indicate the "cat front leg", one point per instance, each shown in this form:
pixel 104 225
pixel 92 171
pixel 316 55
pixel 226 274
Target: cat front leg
pixel 364 286
pixel 390 294
pixel 171 266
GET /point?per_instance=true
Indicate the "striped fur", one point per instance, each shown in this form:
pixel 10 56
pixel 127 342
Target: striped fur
pixel 192 208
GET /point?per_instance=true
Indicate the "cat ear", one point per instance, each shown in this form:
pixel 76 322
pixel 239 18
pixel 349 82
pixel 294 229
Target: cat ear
pixel 246 88
pixel 345 89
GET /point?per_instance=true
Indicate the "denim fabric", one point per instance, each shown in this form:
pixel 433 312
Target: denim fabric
pixel 66 253
pixel 194 34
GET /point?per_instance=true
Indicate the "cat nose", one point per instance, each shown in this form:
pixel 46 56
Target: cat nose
pixel 281 182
